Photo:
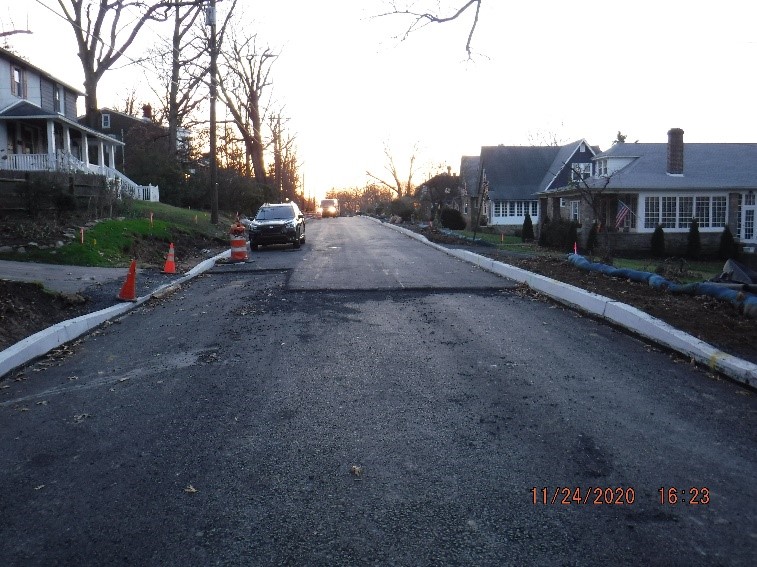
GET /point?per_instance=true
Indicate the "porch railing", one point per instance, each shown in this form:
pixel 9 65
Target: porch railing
pixel 64 161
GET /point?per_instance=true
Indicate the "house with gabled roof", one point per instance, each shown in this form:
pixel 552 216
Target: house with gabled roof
pixel 637 187
pixel 513 176
pixel 39 130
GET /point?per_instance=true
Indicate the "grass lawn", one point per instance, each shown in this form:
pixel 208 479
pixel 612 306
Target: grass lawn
pixel 113 242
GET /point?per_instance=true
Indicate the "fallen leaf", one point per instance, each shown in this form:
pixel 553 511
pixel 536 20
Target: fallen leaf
pixel 43 403
pixel 190 489
pixel 81 417
pixel 40 487
pixel 356 470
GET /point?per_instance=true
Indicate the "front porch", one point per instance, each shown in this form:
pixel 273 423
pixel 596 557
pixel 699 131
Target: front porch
pixel 33 141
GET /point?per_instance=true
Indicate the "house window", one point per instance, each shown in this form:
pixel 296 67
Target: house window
pixel 575 211
pixel 519 209
pixel 580 171
pixel 651 212
pixel 685 211
pixel 18 82
pixel 499 209
pixel 106 120
pixel 534 208
pixel 702 211
pixel 511 208
pixel 749 224
pixel 601 167
pixel 58 99
pixel 669 212
pixel 718 212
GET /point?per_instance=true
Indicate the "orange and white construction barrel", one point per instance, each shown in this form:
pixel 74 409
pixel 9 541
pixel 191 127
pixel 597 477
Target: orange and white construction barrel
pixel 238 243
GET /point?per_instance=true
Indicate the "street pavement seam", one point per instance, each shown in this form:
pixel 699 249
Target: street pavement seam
pixel 620 314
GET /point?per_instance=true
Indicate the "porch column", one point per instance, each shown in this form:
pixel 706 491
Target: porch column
pixel 50 145
pixel 112 156
pixel 101 156
pixel 85 149
pixel 66 139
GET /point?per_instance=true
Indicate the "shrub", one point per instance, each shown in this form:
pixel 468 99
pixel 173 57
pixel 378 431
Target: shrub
pixel 591 241
pixel 657 244
pixel 728 248
pixel 560 234
pixel 527 234
pixel 543 232
pixel 694 242
pixel 402 207
pixel 452 219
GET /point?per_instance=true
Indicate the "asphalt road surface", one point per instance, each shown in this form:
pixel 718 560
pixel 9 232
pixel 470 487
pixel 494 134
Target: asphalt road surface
pixel 368 400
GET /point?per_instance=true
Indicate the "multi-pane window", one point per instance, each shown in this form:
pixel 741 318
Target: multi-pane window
pixel 519 209
pixel 534 208
pixel 749 224
pixel 106 120
pixel 579 171
pixel 601 167
pixel 685 211
pixel 669 212
pixel 651 212
pixel 677 212
pixel 718 211
pixel 575 211
pixel 511 209
pixel 702 210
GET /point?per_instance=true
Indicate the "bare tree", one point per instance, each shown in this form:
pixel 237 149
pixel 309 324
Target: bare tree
pixel 243 79
pixel 420 18
pixel 399 187
pixel 103 35
pixel 185 75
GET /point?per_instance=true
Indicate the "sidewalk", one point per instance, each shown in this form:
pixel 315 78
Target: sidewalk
pixel 60 278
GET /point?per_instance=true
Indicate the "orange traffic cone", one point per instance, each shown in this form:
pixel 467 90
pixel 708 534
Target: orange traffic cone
pixel 129 289
pixel 170 267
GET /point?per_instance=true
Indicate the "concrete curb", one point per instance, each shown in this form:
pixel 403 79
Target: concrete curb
pixel 615 312
pixel 46 340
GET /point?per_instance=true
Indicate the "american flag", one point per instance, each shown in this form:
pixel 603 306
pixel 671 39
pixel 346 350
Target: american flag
pixel 623 211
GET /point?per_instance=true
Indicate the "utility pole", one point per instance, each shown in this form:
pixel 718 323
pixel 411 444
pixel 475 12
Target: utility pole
pixel 210 19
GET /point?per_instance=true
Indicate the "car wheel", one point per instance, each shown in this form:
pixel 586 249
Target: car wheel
pixel 296 243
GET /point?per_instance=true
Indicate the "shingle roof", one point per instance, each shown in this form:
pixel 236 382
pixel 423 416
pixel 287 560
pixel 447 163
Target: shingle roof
pixel 706 166
pixel 24 109
pixel 519 172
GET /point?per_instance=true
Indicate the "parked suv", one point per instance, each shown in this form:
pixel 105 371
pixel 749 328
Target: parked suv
pixel 280 223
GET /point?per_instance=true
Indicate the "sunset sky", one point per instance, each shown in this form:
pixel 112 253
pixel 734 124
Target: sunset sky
pixel 541 70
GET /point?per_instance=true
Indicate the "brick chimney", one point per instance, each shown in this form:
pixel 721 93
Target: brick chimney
pixel 147 113
pixel 675 151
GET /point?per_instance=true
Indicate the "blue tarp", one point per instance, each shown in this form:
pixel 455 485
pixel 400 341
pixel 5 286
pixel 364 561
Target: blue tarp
pixel 746 302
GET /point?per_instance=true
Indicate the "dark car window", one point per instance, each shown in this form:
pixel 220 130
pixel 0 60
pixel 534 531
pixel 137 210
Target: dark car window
pixel 275 213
